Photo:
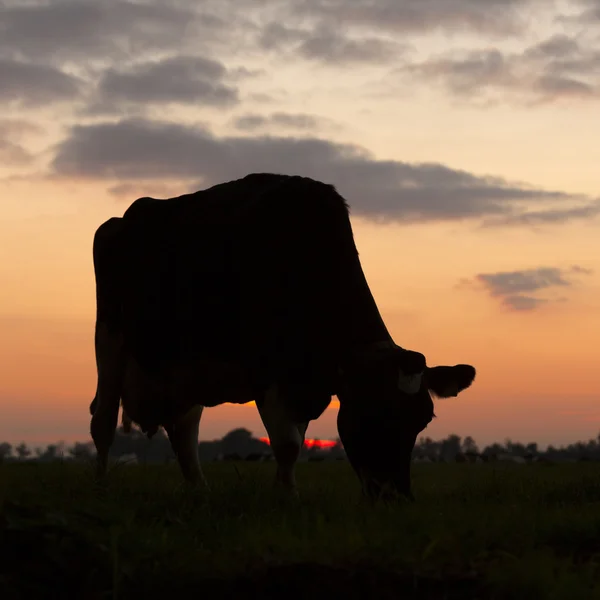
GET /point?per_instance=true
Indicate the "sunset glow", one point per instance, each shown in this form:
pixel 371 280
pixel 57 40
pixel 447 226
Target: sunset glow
pixel 308 443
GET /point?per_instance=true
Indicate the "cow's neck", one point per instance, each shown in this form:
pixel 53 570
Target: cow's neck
pixel 362 327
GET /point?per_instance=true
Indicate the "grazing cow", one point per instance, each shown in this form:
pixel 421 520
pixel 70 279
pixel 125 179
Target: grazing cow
pixel 253 290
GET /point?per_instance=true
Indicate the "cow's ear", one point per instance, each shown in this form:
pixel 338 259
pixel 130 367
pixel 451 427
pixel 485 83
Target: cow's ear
pixel 447 382
pixel 409 361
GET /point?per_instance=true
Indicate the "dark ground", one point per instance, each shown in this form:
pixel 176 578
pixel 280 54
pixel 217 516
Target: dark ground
pixel 476 531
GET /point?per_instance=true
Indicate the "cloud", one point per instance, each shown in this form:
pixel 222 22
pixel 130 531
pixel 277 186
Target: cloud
pixel 80 30
pixel 29 85
pixel 546 217
pixel 14 155
pixel 326 44
pixel 464 73
pixel 588 15
pixel 12 132
pixel 554 69
pixel 517 290
pixel 491 16
pixel 251 121
pixel 179 79
pixel 330 46
pixel 19 128
pixel 381 190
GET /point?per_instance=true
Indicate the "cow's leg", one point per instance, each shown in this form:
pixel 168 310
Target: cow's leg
pixel 286 437
pixel 183 435
pixel 105 406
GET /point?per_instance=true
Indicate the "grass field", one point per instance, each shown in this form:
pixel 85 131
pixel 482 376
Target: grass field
pixel 476 531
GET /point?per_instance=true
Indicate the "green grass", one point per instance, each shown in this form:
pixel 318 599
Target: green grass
pixel 476 531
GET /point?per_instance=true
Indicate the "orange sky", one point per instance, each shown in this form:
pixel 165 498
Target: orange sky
pixel 536 370
pixel 485 118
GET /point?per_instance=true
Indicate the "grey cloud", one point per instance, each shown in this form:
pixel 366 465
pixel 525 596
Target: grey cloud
pixel 559 87
pixel 18 128
pixel 140 150
pixel 326 44
pixel 239 73
pixel 90 33
pixel 179 79
pixel 330 46
pixel 512 282
pixel 76 29
pixel 12 131
pixel 556 46
pixel 581 270
pixel 548 216
pixel 262 98
pixel 590 12
pixel 516 289
pixel 14 155
pixel 564 57
pixel 250 122
pixel 491 16
pixel 30 85
pixel 523 303
pixel 275 36
pixel 554 69
pixel 464 73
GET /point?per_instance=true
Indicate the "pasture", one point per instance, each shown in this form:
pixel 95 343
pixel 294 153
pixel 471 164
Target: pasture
pixel 476 531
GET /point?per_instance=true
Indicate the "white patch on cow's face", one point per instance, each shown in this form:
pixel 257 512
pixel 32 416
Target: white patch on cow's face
pixel 409 384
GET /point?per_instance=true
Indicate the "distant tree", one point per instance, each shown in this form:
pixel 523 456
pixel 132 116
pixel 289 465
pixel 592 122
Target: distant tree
pixel 450 447
pixel 426 447
pixel 22 451
pixel 493 450
pixel 532 449
pixel 241 441
pixel 5 450
pixel 52 452
pixel 469 445
pixel 82 451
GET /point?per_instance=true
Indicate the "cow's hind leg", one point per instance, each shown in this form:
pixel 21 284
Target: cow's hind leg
pixel 183 434
pixel 105 406
pixel 286 437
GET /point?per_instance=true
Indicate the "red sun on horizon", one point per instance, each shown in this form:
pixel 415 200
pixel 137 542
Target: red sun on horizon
pixel 308 443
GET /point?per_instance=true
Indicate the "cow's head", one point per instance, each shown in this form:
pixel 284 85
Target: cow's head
pixel 384 404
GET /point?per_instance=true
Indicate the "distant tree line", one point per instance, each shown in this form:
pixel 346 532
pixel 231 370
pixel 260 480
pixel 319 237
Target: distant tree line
pixel 455 448
pixel 240 444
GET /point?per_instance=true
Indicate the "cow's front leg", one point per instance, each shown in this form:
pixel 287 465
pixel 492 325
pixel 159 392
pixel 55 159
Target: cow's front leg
pixel 105 406
pixel 183 435
pixel 286 437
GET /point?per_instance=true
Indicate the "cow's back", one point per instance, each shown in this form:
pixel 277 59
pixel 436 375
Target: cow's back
pixel 237 273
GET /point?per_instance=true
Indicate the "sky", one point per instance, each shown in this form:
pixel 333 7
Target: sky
pixel 462 133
